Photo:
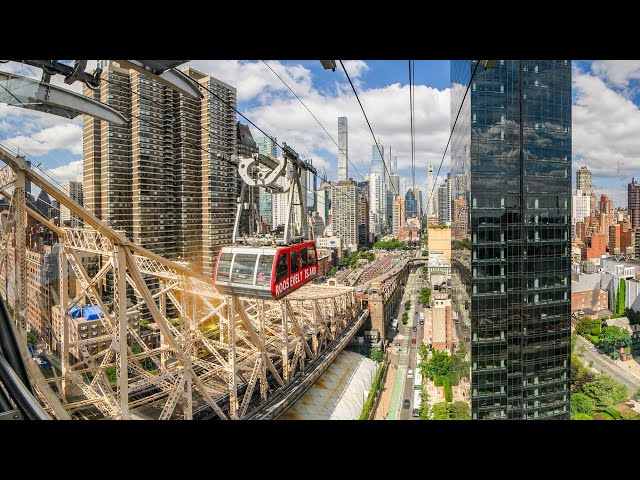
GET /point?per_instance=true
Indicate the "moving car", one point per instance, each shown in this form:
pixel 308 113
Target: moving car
pixel 410 374
pixel 406 403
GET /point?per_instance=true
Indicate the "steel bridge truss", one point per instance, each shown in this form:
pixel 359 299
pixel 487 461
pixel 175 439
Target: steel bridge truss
pixel 218 353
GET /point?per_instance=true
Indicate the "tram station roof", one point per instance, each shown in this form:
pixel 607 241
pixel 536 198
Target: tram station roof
pixel 339 393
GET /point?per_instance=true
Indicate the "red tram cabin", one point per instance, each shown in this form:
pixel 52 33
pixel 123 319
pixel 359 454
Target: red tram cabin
pixel 265 272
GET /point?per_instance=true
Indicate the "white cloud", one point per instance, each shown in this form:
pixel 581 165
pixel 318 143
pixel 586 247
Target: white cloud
pixel 355 67
pixel 65 136
pixel 252 79
pixel 388 111
pixel 69 172
pixel 605 134
pixel 617 72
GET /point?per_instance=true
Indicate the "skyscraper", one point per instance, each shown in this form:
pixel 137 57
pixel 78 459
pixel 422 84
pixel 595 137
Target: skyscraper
pixel 583 180
pixel 344 212
pixel 377 165
pixel 159 178
pixel 67 217
pixel 265 200
pixel 363 213
pixel 431 210
pixel 343 149
pixel 399 216
pixel 377 199
pixel 516 122
pixel 444 201
pixel 633 202
pixel 410 204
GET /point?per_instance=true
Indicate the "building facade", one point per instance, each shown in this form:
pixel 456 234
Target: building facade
pixel 158 178
pixel 511 150
pixel 583 180
pixel 410 204
pixel 344 213
pixel 399 216
pixel 444 202
pixel 343 149
pixel 67 217
pixel 633 202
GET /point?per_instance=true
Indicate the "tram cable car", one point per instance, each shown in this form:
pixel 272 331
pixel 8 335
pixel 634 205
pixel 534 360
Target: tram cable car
pixel 268 266
pixel 265 272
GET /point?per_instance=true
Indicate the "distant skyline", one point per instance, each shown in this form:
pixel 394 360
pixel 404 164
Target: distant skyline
pixel 606 116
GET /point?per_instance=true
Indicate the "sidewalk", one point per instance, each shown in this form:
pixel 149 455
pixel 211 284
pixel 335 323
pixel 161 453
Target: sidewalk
pixel 397 393
pixel 385 396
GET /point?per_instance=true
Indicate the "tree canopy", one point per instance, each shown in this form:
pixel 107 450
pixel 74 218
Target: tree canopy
pixel 441 411
pixel 390 245
pixel 580 403
pixel 605 391
pixel 376 354
pixel 460 411
pixel 612 338
pixel 437 366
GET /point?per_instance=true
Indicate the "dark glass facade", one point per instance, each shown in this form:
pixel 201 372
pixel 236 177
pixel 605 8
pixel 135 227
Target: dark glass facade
pixel 511 185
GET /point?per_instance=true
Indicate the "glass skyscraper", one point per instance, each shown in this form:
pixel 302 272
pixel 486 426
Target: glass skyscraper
pixel 377 165
pixel 511 162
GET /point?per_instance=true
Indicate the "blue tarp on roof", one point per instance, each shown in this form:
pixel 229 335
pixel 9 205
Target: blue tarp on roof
pixel 75 312
pixel 92 313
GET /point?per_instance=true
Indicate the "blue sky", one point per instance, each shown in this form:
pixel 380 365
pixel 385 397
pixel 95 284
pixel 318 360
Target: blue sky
pixel 606 118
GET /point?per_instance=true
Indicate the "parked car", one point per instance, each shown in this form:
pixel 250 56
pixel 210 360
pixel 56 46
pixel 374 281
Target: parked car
pixel 416 412
pixel 406 403
pixel 410 374
pixel 415 329
pixel 413 341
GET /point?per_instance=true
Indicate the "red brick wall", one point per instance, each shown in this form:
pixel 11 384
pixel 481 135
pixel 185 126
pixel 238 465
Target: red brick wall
pixel 595 300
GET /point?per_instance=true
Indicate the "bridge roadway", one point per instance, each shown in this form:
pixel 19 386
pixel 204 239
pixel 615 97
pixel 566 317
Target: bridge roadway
pixel 281 400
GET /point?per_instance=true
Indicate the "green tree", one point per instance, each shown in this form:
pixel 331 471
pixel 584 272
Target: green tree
pixel 425 408
pixel 376 355
pixel 438 365
pixel 425 295
pixel 441 411
pixel 144 323
pixel 605 391
pixel 424 351
pixel 459 368
pixel 460 411
pixel 425 253
pixel 407 305
pixel 111 374
pixel 448 391
pixel 405 318
pixel 612 338
pixel 636 396
pixel 581 416
pixel 622 291
pixel 580 403
pixel 331 272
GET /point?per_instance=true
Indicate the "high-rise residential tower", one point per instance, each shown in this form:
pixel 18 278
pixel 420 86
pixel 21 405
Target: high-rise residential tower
pixel 583 180
pixel 511 160
pixel 344 212
pixel 343 149
pixel 444 202
pixel 431 210
pixel 67 217
pixel 633 202
pixel 159 178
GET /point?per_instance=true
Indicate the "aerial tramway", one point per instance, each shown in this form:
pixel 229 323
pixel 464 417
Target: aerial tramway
pixel 269 266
